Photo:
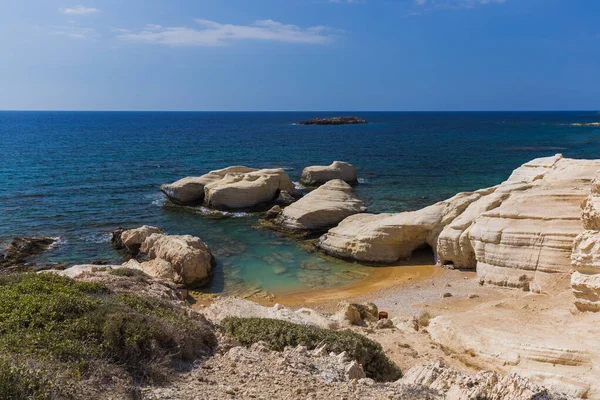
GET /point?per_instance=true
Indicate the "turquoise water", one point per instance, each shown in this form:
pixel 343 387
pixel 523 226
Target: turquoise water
pixel 78 175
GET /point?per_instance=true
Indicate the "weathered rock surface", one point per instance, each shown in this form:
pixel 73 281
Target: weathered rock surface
pixel 232 188
pixel 516 234
pixel 237 307
pixel 334 121
pixel 320 174
pixel 322 208
pixel 190 190
pixel 585 257
pixel 484 385
pixel 554 348
pixel 183 259
pixel 132 239
pixel 23 248
pixel 248 190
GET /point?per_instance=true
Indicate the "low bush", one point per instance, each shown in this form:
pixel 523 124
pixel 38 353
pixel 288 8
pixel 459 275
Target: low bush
pixel 72 329
pixel 128 272
pixel 278 334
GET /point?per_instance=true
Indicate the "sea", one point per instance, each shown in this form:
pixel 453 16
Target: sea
pixel 76 176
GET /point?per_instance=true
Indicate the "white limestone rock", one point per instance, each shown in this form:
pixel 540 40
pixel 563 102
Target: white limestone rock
pixel 322 208
pixel 184 259
pixel 190 190
pixel 132 239
pixel 319 174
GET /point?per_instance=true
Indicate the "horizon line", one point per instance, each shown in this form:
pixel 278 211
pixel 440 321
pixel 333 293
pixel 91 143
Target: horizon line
pixel 301 111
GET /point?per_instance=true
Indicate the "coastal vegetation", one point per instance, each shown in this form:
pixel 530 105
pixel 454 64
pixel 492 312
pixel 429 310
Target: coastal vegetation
pixel 58 335
pixel 279 334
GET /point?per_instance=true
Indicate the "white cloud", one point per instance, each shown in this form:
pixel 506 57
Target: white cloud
pixel 213 33
pixel 79 10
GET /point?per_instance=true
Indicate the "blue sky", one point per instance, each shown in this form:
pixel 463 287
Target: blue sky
pixel 300 55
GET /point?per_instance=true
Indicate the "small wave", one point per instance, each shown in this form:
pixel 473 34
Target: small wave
pixel 157 199
pixel 586 124
pixel 58 241
pixel 363 180
pixel 216 213
pixel 536 148
pixel 297 185
pixel 97 237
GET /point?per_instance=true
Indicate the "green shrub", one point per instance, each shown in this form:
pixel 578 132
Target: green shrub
pixel 78 328
pixel 128 272
pixel 18 382
pixel 279 334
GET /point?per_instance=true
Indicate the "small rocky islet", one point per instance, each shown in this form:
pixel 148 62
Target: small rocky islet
pixel 351 120
pixel 536 232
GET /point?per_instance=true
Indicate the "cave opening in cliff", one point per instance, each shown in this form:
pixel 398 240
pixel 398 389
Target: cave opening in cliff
pixel 423 255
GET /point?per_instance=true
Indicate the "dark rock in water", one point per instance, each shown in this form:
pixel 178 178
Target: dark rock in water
pixel 22 248
pixel 285 198
pixel 273 212
pixel 334 121
pixel 116 238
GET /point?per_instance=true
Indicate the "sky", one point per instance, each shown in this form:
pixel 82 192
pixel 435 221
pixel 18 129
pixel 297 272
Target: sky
pixel 300 55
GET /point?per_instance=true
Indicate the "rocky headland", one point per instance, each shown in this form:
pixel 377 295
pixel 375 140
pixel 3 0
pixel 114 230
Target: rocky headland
pixel 334 121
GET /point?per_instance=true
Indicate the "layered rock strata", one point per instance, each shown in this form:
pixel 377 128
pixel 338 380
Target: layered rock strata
pixel 322 208
pixel 585 258
pixel 231 188
pixel 516 234
pixel 319 174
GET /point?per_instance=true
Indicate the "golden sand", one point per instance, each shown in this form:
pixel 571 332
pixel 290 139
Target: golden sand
pixel 380 277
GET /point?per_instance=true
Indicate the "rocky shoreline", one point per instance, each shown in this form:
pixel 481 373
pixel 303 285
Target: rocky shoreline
pixel 524 251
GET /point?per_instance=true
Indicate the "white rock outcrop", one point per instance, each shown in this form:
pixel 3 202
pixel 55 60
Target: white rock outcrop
pixel 322 208
pixel 190 190
pixel 518 233
pixel 132 239
pixel 320 174
pixel 585 258
pixel 248 190
pixel 183 259
pixel 231 188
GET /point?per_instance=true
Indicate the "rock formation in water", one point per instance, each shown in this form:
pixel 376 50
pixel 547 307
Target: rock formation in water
pixel 231 188
pixel 184 260
pixel 319 174
pixel 334 121
pixel 517 234
pixel 321 209
pixel 21 249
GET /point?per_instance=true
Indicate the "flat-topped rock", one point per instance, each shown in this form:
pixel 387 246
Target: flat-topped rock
pixel 322 208
pixel 518 234
pixel 319 174
pixel 334 121
pixel 232 188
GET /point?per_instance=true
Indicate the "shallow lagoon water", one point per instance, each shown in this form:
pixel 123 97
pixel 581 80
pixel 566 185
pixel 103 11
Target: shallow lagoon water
pixel 79 175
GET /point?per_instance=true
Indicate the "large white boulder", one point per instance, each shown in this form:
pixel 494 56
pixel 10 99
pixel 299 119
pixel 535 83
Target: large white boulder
pixel 183 259
pixel 322 208
pixel 248 190
pixel 320 174
pixel 190 190
pixel 232 188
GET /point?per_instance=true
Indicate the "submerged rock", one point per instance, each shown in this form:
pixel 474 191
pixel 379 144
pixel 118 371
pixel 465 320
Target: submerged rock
pixel 322 208
pixel 334 121
pixel 320 174
pixel 232 188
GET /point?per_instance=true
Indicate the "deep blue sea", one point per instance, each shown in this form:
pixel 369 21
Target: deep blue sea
pixel 78 175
